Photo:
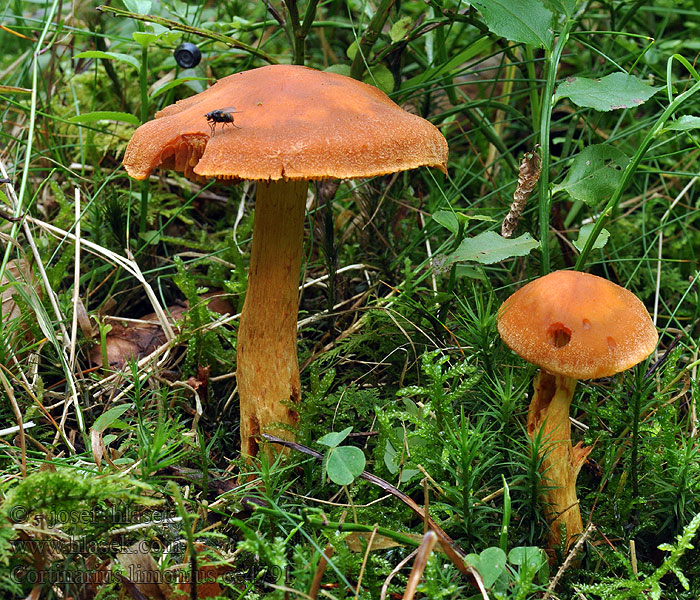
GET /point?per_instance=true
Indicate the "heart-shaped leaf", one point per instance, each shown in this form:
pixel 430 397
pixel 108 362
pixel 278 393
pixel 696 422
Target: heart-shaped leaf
pixel 490 564
pixel 585 233
pixel 344 464
pixel 527 555
pixel 334 438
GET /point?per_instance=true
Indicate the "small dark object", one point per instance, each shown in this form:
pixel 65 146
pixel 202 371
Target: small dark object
pixel 9 217
pixel 4 180
pixel 221 115
pixel 187 55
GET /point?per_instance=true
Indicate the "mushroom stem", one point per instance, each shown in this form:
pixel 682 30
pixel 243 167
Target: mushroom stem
pixel 267 370
pixel 548 419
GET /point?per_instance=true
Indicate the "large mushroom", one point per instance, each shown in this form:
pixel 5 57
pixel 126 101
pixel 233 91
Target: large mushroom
pixel 573 326
pixel 281 126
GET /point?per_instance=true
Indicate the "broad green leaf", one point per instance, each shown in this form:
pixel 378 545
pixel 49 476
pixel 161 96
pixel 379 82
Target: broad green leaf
pixel 108 417
pixel 334 438
pixel 400 28
pixel 464 270
pixel 141 7
pixel 144 38
pixel 150 237
pixel 617 90
pixel 344 464
pixel 125 58
pixel 527 555
pixel 566 7
pixel 594 174
pixel 447 219
pixel 351 51
pixel 450 220
pixel 489 247
pixel 106 115
pixel 585 233
pixel 380 77
pixel 161 89
pixel 340 69
pixel 526 21
pixel 490 564
pixel 392 460
pixel 683 124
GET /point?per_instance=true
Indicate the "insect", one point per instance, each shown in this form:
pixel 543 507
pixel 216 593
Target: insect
pixel 221 115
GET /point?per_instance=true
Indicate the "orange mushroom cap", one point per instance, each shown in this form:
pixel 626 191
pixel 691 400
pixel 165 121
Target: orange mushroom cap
pixel 292 122
pixel 578 325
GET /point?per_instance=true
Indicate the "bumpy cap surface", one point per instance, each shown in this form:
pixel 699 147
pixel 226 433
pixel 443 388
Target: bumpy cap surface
pixel 291 122
pixel 578 325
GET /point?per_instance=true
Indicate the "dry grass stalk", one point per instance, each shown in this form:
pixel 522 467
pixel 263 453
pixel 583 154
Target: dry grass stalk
pixel 528 176
pixel 426 547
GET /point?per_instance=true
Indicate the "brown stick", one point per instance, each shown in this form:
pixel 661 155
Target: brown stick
pixel 419 564
pixel 320 570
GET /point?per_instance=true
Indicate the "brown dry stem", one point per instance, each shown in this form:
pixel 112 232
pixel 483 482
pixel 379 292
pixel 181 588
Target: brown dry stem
pixel 528 176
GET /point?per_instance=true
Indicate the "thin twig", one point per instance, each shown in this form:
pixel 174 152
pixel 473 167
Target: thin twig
pixel 326 555
pixel 365 559
pixel 426 547
pixel 573 553
pixel 20 423
pixel 397 568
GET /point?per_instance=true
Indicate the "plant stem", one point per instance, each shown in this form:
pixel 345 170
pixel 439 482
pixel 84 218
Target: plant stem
pixel 325 525
pixel 301 32
pixel 532 81
pixel 552 66
pixel 365 43
pixel 629 172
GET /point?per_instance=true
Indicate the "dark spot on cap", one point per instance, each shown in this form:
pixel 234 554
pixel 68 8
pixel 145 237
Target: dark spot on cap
pixel 558 335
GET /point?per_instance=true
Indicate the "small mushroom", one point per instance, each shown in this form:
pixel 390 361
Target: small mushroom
pixel 573 326
pixel 292 124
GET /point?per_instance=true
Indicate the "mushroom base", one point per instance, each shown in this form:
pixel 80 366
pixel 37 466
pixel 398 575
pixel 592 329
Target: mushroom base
pixel 548 420
pixel 267 370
